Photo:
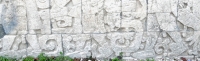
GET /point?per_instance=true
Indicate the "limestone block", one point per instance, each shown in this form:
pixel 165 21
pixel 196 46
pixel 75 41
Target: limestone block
pixel 166 21
pixel 9 19
pixel 75 11
pixel 195 8
pixel 42 3
pixel 33 48
pixel 21 11
pixel 129 5
pixel 75 2
pixel 61 3
pixel 187 21
pixel 92 7
pixel 141 10
pixel 38 19
pixel 177 49
pixel 113 6
pixel 152 23
pixel 101 47
pixel 192 39
pixel 163 6
pixel 13 46
pixel 150 39
pixel 45 19
pixel 144 54
pixel 32 14
pixel 50 44
pixel 112 21
pixel 132 25
pixel 21 26
pixel 125 42
pixel 66 24
pixel 78 45
pixel 14 19
pixel 93 24
pixel 64 21
pixel 34 22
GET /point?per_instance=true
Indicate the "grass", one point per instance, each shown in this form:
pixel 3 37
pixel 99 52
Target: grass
pixel 43 57
pixel 6 59
pixel 61 57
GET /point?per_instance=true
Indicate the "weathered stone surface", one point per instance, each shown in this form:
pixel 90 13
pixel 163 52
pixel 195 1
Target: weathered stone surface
pixel 93 24
pixel 144 54
pixel 66 19
pixel 112 22
pixel 61 3
pixel 91 7
pixel 101 46
pixel 101 28
pixel 51 45
pixel 186 21
pixel 113 6
pixel 2 32
pixel 77 45
pixel 33 48
pixel 125 42
pixel 129 5
pixel 166 21
pixel 132 25
pixel 165 6
pixel 9 21
pixel 152 23
pixel 133 15
pixel 13 46
pixel 42 3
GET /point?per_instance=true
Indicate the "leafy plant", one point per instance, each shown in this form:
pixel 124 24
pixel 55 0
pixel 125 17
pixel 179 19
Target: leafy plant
pixel 68 58
pixel 118 58
pixel 29 58
pixel 6 59
pixel 148 59
pixel 42 57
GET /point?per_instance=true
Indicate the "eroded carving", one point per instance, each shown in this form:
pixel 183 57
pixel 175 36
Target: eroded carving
pixel 77 45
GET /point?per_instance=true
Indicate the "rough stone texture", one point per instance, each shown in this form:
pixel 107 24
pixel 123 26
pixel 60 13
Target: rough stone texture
pixel 13 46
pixel 101 28
pixel 77 45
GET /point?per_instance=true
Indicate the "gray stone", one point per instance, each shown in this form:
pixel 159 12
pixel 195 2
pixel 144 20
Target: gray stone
pixel 76 45
pixel 152 23
pixel 2 32
pixel 51 45
pixel 13 46
pixel 166 21
pixel 93 24
pixel 129 5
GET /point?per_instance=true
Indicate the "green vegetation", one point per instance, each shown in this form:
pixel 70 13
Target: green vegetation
pixel 148 59
pixel 118 58
pixel 6 59
pixel 61 57
pixel 42 57
pixel 28 58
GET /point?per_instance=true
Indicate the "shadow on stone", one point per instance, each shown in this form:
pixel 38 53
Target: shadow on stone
pixel 2 32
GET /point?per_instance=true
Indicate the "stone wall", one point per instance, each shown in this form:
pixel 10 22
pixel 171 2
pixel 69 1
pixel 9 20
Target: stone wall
pixel 138 28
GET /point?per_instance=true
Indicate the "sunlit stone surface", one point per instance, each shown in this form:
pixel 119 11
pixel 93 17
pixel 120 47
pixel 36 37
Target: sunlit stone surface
pixel 102 28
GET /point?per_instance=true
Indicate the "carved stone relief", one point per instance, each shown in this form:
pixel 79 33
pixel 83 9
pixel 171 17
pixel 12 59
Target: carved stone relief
pixel 101 28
